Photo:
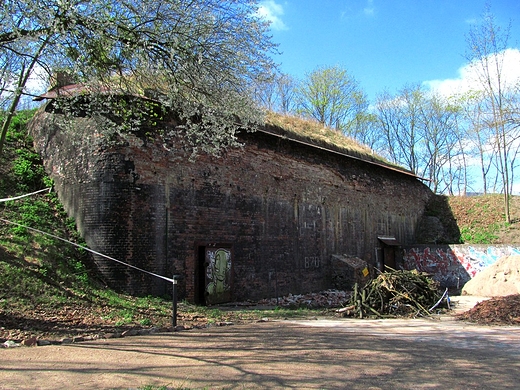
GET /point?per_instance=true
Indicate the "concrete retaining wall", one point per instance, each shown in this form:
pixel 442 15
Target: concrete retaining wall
pixel 454 265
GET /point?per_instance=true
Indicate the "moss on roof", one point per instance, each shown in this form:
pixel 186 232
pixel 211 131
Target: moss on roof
pixel 314 133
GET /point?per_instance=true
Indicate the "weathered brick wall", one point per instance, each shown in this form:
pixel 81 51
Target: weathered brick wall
pixel 284 207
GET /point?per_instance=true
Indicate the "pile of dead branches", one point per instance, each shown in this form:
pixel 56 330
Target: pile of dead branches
pixel 395 293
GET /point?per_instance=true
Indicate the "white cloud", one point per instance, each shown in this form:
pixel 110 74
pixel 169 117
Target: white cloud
pixel 468 76
pixel 350 12
pixel 272 12
pixel 369 9
pixel 516 189
pixel 38 81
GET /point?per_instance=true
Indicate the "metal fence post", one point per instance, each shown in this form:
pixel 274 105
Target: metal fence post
pixel 174 303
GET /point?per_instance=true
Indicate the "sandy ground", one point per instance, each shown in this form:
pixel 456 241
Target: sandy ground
pixel 436 353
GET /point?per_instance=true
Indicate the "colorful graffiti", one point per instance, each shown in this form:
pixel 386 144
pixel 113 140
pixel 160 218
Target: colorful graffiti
pixel 217 271
pixel 454 265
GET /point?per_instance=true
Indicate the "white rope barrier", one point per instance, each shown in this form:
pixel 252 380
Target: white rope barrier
pixel 23 196
pixel 87 249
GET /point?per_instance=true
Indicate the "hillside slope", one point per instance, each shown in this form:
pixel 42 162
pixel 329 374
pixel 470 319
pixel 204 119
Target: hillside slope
pixel 481 219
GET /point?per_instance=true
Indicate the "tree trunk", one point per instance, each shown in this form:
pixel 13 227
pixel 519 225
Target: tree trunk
pixel 22 81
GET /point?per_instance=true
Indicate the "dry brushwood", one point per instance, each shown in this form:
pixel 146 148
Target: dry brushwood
pixel 395 293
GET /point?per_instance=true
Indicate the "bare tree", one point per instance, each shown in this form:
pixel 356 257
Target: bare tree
pixel 479 134
pixel 20 73
pixel 487 44
pixel 421 133
pixel 366 130
pixel 400 119
pixel 276 93
pixel 285 87
pixel 440 140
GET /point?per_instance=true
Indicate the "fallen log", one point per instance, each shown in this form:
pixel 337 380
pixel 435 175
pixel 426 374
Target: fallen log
pixel 344 309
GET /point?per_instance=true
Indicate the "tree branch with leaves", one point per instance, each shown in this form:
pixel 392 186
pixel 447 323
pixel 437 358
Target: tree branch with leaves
pixel 201 57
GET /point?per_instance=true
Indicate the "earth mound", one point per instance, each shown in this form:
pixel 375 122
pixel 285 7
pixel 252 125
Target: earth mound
pixel 498 280
pixel 495 311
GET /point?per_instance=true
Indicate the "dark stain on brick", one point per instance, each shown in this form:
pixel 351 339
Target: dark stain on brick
pixel 284 208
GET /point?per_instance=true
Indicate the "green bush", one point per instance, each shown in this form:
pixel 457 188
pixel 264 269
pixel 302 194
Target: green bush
pixel 28 170
pixel 42 255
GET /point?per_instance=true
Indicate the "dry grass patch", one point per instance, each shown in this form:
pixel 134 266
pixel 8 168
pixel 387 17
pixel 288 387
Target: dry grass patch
pixel 311 131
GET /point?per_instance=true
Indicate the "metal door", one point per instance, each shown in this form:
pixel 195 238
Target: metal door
pixel 389 247
pixel 218 262
pixel 389 257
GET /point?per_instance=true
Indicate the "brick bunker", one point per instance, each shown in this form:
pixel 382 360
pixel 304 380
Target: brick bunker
pixel 264 220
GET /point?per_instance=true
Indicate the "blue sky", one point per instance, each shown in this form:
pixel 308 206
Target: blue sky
pixel 384 44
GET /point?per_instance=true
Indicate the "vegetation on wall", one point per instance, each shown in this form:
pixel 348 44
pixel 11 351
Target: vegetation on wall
pixel 318 134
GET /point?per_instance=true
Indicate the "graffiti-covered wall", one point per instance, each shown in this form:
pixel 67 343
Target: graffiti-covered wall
pixel 454 265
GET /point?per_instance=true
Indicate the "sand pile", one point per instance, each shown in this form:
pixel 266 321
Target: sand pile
pixel 498 280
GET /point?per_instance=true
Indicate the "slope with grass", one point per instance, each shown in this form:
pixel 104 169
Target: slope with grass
pixel 45 283
pixel 481 219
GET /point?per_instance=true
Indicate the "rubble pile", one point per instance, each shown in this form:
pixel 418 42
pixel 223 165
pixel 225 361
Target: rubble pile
pixel 395 293
pixel 322 299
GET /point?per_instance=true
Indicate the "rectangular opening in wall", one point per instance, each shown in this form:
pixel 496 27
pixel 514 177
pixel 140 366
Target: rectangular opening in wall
pixel 200 275
pixel 214 274
pixel 389 247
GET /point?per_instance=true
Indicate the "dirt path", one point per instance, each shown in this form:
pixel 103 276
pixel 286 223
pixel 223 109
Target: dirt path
pixel 317 354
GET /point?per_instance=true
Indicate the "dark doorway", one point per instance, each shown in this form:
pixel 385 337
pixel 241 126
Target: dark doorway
pixel 200 275
pixel 389 246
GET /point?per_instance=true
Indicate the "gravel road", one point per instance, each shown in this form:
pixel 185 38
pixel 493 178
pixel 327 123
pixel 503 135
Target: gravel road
pixel 315 354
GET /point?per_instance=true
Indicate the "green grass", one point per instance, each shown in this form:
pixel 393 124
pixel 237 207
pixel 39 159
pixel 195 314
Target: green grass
pixel 481 234
pixel 481 219
pixel 311 131
pixel 42 272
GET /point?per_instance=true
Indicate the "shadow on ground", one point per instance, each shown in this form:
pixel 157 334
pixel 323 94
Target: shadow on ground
pixel 263 355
